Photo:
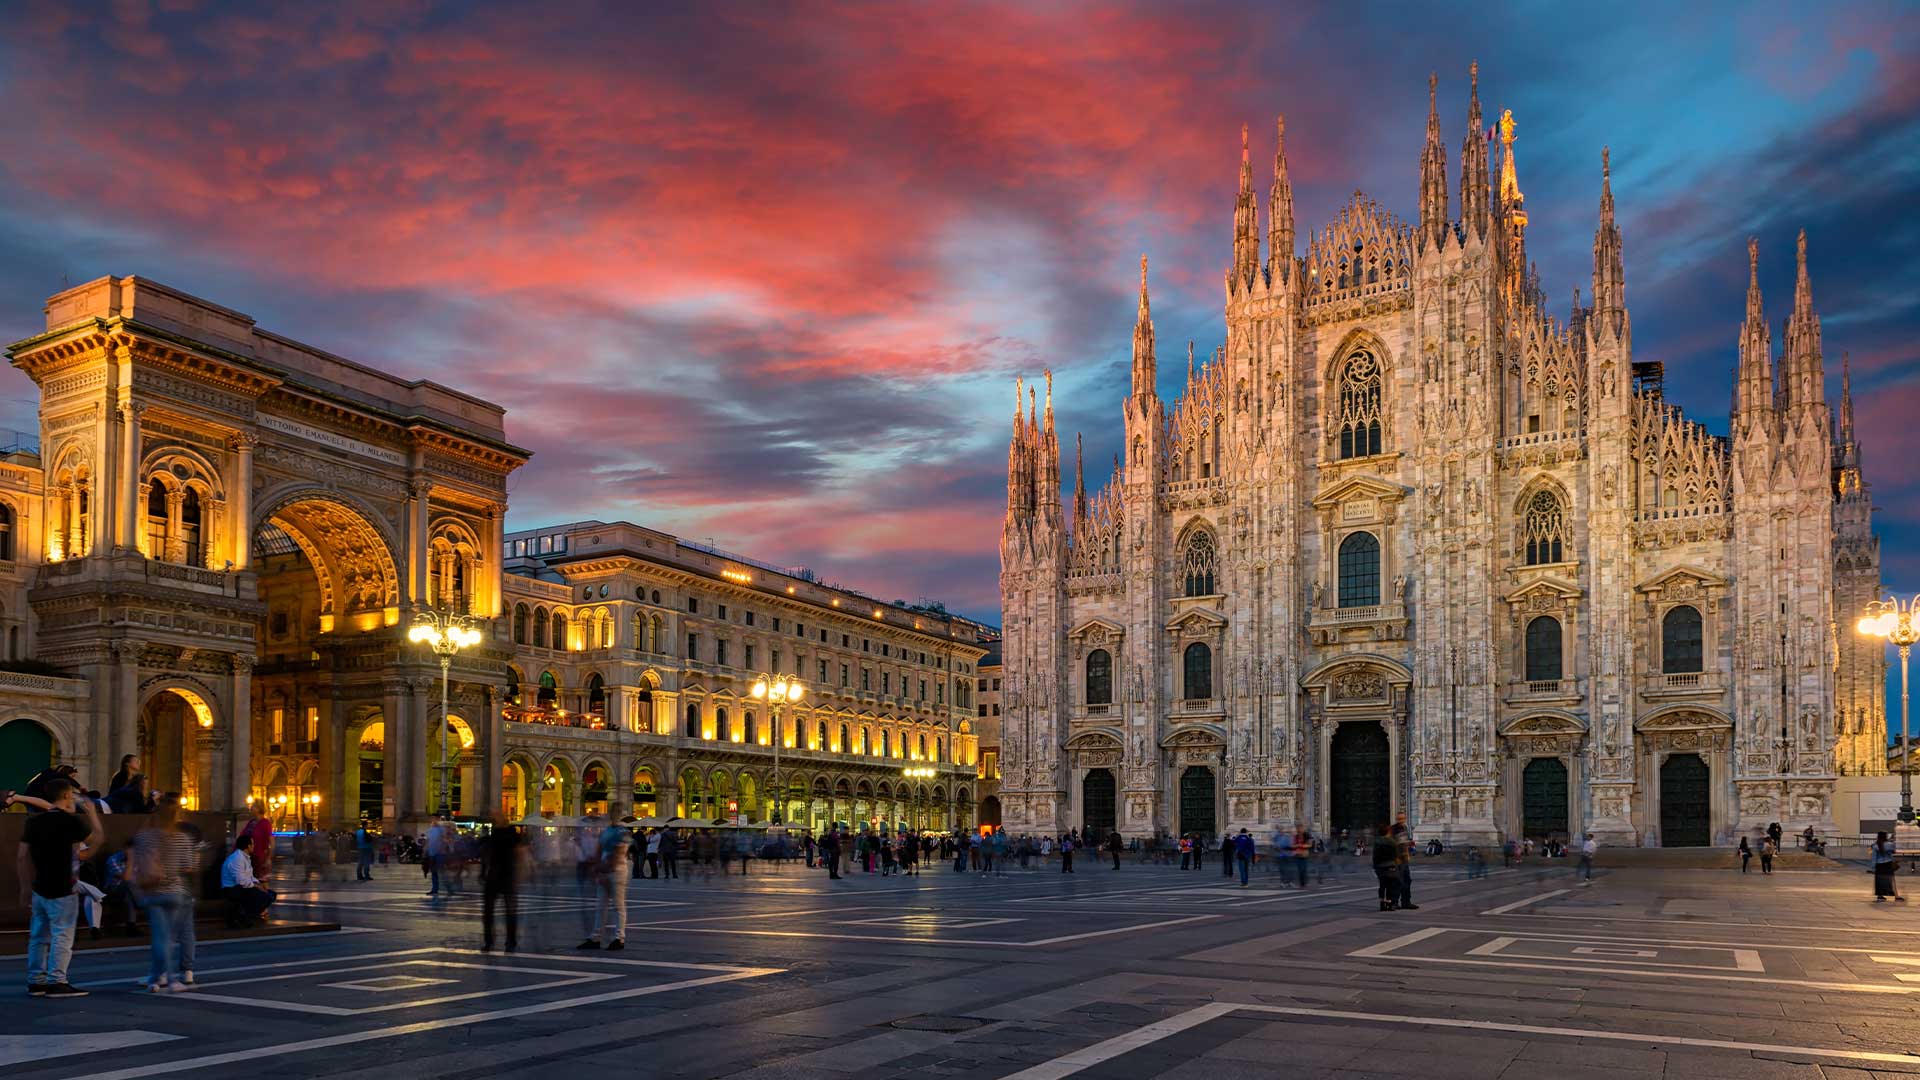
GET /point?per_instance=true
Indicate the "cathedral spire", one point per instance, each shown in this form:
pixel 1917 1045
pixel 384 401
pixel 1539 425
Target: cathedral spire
pixel 1846 399
pixel 1609 272
pixel 1802 374
pixel 1016 456
pixel 1143 363
pixel 1474 181
pixel 1183 393
pixel 1079 486
pixel 1280 211
pixel 1753 400
pixel 1049 448
pixel 1847 457
pixel 1513 208
pixel 1246 224
pixel 1433 172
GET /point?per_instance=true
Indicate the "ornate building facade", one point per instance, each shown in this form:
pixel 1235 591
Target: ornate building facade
pixel 1411 543
pixel 213 557
pixel 634 657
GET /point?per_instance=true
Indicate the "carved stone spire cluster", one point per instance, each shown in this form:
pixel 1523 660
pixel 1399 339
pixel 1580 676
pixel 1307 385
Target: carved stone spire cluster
pixel 1143 360
pixel 1475 182
pixel 1246 225
pixel 1609 266
pixel 1433 174
pixel 1280 211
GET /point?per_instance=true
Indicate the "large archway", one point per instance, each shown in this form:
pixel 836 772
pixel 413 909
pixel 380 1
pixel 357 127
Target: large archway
pixel 178 759
pixel 355 584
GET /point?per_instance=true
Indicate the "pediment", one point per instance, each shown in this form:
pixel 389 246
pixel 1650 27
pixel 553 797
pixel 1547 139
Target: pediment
pixel 1681 578
pixel 1097 739
pixel 1684 718
pixel 1548 586
pixel 1198 619
pixel 1195 735
pixel 1097 625
pixel 1546 723
pixel 1358 487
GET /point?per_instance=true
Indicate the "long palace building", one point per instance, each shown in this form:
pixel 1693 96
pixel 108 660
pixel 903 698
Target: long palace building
pixel 213 553
pixel 1412 544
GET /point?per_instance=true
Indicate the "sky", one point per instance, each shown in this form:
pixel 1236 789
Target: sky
pixel 764 274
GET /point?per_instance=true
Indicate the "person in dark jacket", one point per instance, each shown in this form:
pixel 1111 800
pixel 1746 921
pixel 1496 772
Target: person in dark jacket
pixel 1386 867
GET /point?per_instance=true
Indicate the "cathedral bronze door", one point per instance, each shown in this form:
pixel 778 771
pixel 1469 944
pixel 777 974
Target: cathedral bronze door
pixel 1196 801
pixel 1686 816
pixel 1362 777
pixel 1097 816
pixel 1543 785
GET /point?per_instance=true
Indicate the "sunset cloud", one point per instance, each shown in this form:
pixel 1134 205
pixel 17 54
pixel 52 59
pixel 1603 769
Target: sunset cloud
pixel 764 273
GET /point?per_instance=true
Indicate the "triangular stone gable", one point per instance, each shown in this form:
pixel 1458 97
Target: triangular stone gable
pixel 1358 487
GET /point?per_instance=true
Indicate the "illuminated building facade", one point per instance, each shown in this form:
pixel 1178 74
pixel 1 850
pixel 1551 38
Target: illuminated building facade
pixel 635 654
pixel 1410 543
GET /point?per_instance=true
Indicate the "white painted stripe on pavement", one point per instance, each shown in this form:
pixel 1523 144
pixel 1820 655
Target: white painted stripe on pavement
pixel 1528 902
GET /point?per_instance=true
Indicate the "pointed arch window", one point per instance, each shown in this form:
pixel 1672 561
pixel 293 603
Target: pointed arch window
pixel 1358 420
pixel 1197 664
pixel 1543 649
pixel 1681 640
pixel 1198 563
pixel 1099 677
pixel 1359 570
pixel 1543 530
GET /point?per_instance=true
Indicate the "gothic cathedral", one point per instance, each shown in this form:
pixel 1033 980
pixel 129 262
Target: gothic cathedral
pixel 1410 544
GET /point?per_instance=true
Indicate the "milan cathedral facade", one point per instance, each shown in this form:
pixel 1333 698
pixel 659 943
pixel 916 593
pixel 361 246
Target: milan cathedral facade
pixel 1411 544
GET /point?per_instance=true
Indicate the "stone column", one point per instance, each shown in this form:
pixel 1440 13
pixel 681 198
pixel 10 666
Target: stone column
pixel 240 501
pixel 240 742
pixel 127 520
pixel 396 709
pixel 340 809
pixel 122 732
pixel 491 729
pixel 176 536
pixel 416 554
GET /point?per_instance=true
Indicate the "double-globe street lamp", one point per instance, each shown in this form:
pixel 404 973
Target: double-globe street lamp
pixel 446 633
pixel 1894 621
pixel 777 690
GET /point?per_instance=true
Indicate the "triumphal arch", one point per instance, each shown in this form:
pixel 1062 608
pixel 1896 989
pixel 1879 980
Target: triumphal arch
pixel 227 538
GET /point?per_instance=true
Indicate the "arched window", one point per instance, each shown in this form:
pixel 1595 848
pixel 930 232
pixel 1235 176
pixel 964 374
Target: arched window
pixel 720 728
pixel 513 687
pixel 886 744
pixel 1680 640
pixel 920 744
pixel 640 631
pixel 1198 562
pixel 693 719
pixel 936 748
pixel 559 629
pixel 549 690
pixel 1359 570
pixel 820 735
pixel 540 628
pixel 6 534
pixel 845 747
pixel 596 695
pixel 1543 649
pixel 520 624
pixel 1199 672
pixel 1543 531
pixel 195 551
pixel 1099 677
pixel 1358 420
pixel 157 521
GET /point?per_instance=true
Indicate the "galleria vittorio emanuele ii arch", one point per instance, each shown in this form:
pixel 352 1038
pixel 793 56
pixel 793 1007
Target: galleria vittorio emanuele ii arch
pixel 212 559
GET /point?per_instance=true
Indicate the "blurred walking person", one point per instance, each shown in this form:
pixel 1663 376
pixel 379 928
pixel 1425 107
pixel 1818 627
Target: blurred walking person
pixel 163 865
pixel 1386 867
pixel 1885 865
pixel 501 854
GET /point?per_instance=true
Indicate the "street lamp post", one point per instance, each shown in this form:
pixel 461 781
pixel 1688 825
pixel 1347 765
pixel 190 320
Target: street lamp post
pixel 1894 621
pixel 777 690
pixel 446 633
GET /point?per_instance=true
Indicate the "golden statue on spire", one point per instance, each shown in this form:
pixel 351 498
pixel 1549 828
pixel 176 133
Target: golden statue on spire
pixel 1511 198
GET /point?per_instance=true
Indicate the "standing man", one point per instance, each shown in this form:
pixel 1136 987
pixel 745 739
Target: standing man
pixel 44 864
pixel 501 854
pixel 830 852
pixel 1587 847
pixel 670 852
pixel 363 849
pixel 437 846
pixel 1114 844
pixel 1243 854
pixel 1403 860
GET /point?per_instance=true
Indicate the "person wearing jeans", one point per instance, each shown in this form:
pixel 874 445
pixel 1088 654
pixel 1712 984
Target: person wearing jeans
pixel 44 862
pixel 164 859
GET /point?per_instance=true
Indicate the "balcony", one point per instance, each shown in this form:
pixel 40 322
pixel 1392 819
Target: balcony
pixel 1372 622
pixel 1545 692
pixel 1194 708
pixel 1683 684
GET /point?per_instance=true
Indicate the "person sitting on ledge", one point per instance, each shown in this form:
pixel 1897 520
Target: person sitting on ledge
pixel 241 889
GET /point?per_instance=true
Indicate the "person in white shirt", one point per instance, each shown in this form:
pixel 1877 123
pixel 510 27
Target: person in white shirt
pixel 1587 847
pixel 249 899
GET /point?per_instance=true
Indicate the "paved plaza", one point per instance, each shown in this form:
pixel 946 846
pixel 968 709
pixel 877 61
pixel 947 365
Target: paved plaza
pixel 1144 972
